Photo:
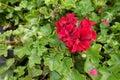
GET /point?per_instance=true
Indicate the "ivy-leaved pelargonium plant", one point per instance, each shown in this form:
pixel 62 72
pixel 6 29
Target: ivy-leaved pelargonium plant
pixel 59 39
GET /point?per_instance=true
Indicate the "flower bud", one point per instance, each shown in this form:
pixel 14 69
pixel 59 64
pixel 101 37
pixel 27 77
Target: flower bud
pixel 9 47
pixel 83 55
pixel 93 72
pixel 106 23
pixel 99 11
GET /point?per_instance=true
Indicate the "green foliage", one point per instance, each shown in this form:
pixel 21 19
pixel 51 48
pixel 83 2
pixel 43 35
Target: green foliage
pixel 83 8
pixel 29 30
pixel 19 71
pixel 48 2
pixel 68 4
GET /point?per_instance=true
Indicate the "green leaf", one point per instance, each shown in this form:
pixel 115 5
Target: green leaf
pixel 3 49
pixel 108 16
pixel 54 76
pixel 68 62
pixel 31 5
pixel 44 40
pixel 100 2
pixel 34 58
pixel 21 51
pixel 41 50
pixel 93 59
pixel 54 41
pixel 11 78
pixel 103 29
pixel 88 65
pixel 48 2
pixel 94 17
pixel 47 12
pixel 16 20
pixel 20 70
pixel 65 66
pixel 114 63
pixel 74 75
pixel 115 27
pixel 12 1
pixel 39 3
pixel 23 3
pixel 83 8
pixel 32 17
pixel 105 38
pixel 10 15
pixel 4 68
pixel 28 77
pixel 68 4
pixel 36 72
pixel 17 8
pixel 10 62
pixel 53 62
pixel 105 73
pixel 44 10
pixel 46 30
pixel 7 75
pixel 114 76
pixel 93 53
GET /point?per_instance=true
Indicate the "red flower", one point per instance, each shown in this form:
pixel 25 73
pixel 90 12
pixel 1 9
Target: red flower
pixel 86 23
pixel 79 38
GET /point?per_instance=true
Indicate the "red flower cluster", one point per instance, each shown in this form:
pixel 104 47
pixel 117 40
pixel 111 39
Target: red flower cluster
pixel 76 38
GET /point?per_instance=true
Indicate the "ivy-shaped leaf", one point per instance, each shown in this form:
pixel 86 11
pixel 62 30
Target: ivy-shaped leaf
pixel 105 73
pixel 48 2
pixel 21 51
pixel 32 17
pixel 46 30
pixel 36 72
pixel 114 62
pixel 74 75
pixel 83 7
pixel 100 2
pixel 4 68
pixel 65 66
pixel 68 4
pixel 34 58
pixel 20 70
pixel 93 53
pixel 54 76
pixel 53 62
pixel 23 3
